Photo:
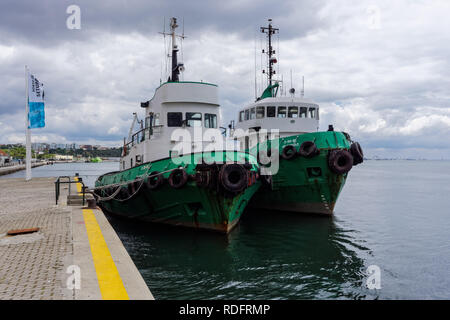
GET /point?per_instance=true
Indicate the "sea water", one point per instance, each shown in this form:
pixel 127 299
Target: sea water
pixel 392 216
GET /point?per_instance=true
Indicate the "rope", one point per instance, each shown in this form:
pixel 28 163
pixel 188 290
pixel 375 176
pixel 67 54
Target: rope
pixel 142 178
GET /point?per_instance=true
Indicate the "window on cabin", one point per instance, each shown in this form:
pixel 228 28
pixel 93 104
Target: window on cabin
pixel 293 112
pixel 210 120
pixel 241 116
pixel 252 113
pixel 259 112
pixel 303 112
pixel 281 112
pixel 174 119
pixel 271 111
pixel 247 114
pixel 193 119
pixel 312 113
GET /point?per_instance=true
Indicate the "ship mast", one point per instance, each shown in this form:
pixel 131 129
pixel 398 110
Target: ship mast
pixel 176 67
pixel 270 31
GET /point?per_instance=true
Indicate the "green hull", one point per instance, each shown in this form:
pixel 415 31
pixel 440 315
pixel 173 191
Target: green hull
pixel 190 206
pixel 297 186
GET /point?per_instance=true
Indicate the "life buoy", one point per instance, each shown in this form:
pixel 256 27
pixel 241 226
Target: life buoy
pixel 233 177
pixel 178 178
pixel 288 152
pixel 357 153
pixel 340 161
pixel 308 149
pixel 154 180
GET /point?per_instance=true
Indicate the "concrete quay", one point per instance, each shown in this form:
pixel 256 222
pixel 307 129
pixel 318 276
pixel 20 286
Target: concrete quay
pixel 12 169
pixel 75 254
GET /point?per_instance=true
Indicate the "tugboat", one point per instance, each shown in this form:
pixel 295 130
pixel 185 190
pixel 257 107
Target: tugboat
pixel 303 170
pixel 173 169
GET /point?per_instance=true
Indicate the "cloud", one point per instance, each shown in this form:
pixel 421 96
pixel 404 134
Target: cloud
pixel 379 70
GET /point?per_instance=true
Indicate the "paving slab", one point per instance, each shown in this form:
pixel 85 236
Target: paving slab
pixel 65 259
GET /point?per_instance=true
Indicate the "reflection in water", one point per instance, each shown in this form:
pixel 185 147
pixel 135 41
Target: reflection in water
pixel 398 209
pixel 268 256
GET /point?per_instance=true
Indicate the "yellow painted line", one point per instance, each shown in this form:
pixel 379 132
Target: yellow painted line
pixel 78 185
pixel 109 281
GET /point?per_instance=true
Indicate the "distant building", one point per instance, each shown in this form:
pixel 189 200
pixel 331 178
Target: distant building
pixel 38 146
pixel 4 158
pixel 63 157
pixel 86 147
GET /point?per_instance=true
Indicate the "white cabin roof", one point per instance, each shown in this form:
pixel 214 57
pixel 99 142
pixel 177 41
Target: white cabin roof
pixel 186 92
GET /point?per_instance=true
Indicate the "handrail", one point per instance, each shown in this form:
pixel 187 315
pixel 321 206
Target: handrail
pixel 141 135
pixel 58 184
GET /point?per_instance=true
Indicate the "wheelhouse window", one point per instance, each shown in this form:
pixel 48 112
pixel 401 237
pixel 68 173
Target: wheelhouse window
pixel 241 116
pixel 211 120
pixel 260 112
pixel 303 112
pixel 193 119
pixel 271 111
pixel 293 112
pixel 247 114
pixel 312 113
pixel 174 119
pixel 281 112
pixel 252 113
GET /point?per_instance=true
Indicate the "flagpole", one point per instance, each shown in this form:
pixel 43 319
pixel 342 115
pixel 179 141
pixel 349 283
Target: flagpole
pixel 28 133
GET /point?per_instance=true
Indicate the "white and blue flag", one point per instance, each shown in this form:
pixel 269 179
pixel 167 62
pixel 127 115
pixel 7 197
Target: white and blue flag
pixel 36 114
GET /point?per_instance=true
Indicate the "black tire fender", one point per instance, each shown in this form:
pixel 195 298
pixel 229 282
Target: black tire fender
pixel 233 177
pixel 357 153
pixel 308 149
pixel 154 180
pixel 178 178
pixel 340 161
pixel 288 152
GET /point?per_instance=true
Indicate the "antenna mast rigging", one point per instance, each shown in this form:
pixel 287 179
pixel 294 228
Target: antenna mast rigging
pixel 270 31
pixel 176 67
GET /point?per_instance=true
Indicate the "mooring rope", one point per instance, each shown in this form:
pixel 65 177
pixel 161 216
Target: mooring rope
pixel 142 179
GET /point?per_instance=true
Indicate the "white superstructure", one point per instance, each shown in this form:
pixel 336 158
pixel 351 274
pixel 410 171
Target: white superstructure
pixel 192 107
pixel 289 115
pixel 182 117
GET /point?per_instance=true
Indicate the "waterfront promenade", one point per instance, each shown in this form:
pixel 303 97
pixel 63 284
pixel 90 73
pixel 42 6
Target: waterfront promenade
pixel 10 169
pixel 75 254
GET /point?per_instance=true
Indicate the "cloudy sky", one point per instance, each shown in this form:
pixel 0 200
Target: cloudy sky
pixel 380 70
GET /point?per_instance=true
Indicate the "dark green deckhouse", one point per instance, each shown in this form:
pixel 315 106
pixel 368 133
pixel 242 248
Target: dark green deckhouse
pixel 302 169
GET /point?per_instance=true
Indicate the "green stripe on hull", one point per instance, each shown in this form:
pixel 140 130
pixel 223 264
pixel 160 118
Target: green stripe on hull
pixel 302 184
pixel 190 206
